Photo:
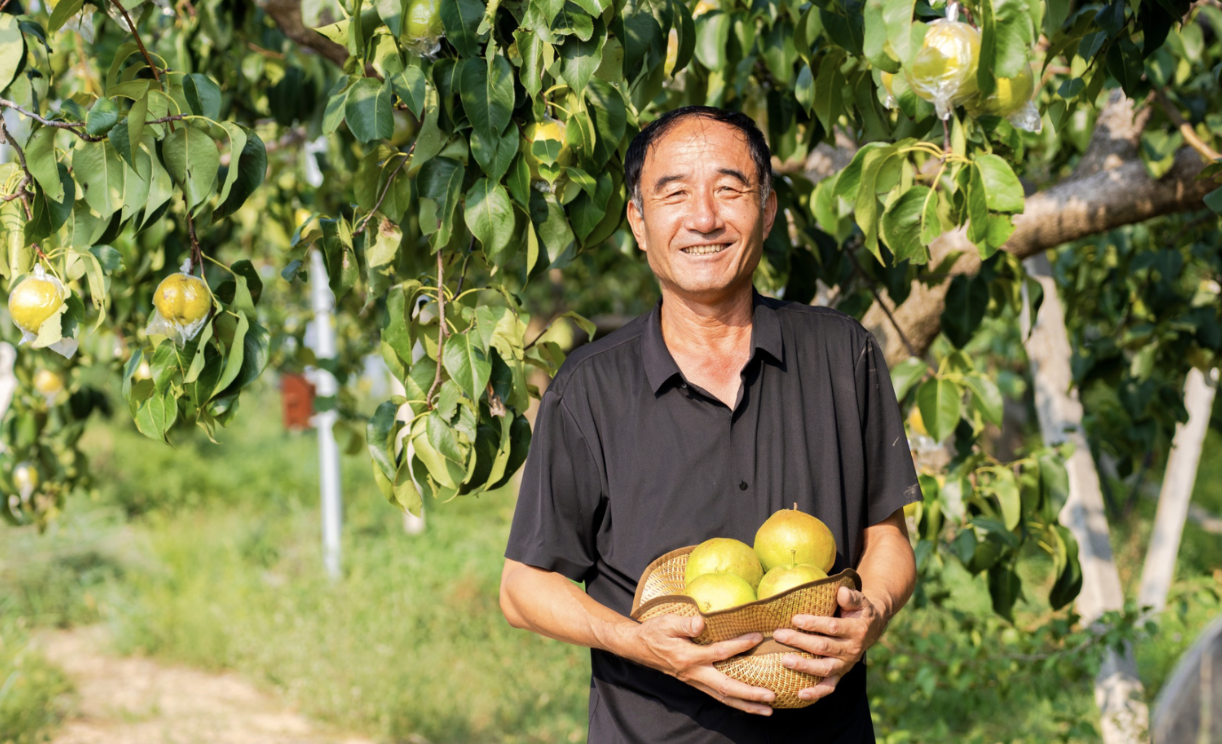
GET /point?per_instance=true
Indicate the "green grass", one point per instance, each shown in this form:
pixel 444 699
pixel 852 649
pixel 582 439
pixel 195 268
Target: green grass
pixel 209 555
pixel 33 693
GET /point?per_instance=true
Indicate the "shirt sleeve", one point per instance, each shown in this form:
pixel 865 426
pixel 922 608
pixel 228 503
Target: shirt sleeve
pixel 891 480
pixel 555 521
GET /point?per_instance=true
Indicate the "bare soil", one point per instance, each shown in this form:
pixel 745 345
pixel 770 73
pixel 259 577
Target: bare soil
pixel 123 700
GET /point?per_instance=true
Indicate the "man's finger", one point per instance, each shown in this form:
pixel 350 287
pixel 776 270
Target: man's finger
pixel 850 599
pixel 732 692
pixel 820 667
pixel 819 645
pixel 825 687
pixel 723 650
pixel 687 627
pixel 828 626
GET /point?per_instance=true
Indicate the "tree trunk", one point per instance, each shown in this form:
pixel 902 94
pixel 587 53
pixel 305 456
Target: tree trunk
pixel 1124 717
pixel 1176 492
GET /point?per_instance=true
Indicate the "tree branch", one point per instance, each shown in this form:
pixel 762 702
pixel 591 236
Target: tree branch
pixel 1111 188
pixel 76 126
pixel 1190 134
pixel 287 15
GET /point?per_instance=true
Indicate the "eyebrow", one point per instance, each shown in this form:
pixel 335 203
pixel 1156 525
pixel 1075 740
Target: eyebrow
pixel 664 180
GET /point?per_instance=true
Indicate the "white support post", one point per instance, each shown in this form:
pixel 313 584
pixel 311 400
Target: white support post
pixel 1124 717
pixel 1176 492
pixel 323 302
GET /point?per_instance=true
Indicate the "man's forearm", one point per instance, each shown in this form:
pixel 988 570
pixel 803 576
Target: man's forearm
pixel 888 567
pixel 549 604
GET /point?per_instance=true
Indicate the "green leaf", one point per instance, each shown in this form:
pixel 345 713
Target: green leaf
pixel 368 110
pixel 387 238
pixel 63 11
pixel 203 95
pixel 977 207
pixel 906 374
pixel 156 415
pixel 967 299
pixel 40 158
pixel 191 158
pixel 939 403
pixel 251 167
pixel 828 85
pixel 100 171
pixel 1003 192
pixel 1006 38
pixel 489 215
pixel 461 19
pixel 102 116
pixel 986 397
pixel 579 59
pixel 1213 200
pixel 440 180
pixel 1068 570
pixel 486 90
pixel 467 364
pixel 12 48
pixel 610 115
pixel 712 39
pixel 552 228
pixel 233 361
pixel 409 85
pixel 441 436
pixel 333 113
pixel 1005 587
pixel 380 436
pixel 237 141
pixel 1005 488
pixel 902 225
pixel 495 156
pixel 391 13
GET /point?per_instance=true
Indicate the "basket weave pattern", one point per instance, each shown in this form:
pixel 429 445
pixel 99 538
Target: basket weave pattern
pixel 660 592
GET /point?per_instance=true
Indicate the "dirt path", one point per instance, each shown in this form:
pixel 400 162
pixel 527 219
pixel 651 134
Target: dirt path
pixel 140 701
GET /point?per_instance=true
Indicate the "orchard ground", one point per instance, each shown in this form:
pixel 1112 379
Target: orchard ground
pixel 208 556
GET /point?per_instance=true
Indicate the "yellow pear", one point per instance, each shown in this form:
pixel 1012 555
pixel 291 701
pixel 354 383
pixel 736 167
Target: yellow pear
pixel 724 555
pixel 183 299
pixel 720 591
pixel 783 578
pixel 790 536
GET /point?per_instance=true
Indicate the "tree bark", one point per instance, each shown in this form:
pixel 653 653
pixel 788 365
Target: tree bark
pixel 1176 492
pixel 1109 189
pixel 1124 717
pixel 287 15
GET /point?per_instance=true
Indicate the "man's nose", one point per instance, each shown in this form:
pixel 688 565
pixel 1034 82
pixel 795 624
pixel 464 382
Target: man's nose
pixel 705 214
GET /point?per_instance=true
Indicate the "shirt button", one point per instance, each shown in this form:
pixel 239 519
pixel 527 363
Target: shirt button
pixel 742 485
pixel 683 385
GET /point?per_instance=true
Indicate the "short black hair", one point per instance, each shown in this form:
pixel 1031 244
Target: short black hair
pixel 638 149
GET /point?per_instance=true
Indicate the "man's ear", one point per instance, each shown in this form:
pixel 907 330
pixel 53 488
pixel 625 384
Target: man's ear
pixel 769 211
pixel 636 221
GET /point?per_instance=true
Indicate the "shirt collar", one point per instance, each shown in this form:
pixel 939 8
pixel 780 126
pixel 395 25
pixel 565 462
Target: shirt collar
pixel 660 366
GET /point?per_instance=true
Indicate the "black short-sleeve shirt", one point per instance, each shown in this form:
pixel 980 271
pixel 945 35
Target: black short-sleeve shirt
pixel 630 460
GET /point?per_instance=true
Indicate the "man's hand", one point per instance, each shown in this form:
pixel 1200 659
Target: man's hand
pixel 838 641
pixel 664 643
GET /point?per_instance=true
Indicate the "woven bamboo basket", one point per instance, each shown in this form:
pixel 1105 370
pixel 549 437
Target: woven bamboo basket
pixel 660 592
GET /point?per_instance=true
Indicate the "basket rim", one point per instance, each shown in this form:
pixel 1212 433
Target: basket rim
pixel 639 610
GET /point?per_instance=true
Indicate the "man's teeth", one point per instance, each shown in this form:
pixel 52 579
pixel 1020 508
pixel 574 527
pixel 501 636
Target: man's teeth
pixel 703 250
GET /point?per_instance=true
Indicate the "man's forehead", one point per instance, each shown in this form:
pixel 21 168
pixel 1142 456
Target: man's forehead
pixel 702 141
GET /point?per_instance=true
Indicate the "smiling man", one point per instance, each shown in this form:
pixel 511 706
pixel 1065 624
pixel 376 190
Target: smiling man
pixel 700 419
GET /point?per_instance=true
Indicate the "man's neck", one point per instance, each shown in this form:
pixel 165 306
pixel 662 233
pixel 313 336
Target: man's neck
pixel 723 328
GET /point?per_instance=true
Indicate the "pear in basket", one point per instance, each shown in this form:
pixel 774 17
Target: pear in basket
pixel 783 578
pixel 790 537
pixel 720 591
pixel 724 555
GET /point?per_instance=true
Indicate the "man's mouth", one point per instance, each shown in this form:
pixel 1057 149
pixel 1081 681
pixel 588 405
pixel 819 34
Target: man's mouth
pixel 705 250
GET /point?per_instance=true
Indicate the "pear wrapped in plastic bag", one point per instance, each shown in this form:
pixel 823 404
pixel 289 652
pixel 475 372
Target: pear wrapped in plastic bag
pixel 182 304
pixel 944 70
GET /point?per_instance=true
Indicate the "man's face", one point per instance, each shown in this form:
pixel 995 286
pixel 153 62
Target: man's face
pixel 701 224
